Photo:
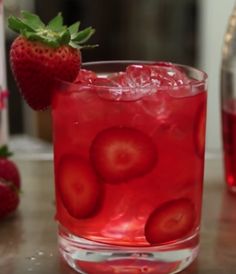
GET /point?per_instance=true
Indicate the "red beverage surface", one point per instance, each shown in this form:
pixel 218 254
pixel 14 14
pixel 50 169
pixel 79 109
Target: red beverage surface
pixel 129 172
pixel 229 142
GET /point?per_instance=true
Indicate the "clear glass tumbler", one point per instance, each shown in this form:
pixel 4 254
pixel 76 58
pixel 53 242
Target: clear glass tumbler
pixel 129 164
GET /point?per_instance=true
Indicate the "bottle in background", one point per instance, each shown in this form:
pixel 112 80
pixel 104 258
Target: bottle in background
pixel 3 85
pixel 228 102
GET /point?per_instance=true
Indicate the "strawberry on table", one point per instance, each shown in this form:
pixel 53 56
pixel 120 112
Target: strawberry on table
pixel 42 53
pixel 9 198
pixel 10 183
pixel 121 153
pixel 8 169
pixel 171 221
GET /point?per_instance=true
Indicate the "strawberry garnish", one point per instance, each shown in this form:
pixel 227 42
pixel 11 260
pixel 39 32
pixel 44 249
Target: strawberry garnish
pixel 78 186
pixel 171 221
pixel 121 153
pixel 43 53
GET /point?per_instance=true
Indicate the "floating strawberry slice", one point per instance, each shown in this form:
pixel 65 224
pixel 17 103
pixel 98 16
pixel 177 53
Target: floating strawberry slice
pixel 78 186
pixel 199 134
pixel 170 221
pixel 121 153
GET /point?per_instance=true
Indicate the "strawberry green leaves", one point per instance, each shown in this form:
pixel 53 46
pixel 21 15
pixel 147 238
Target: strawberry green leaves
pixel 32 20
pixel 56 24
pixel 4 152
pixel 83 35
pixel 29 22
pixel 18 25
pixel 73 29
pixel 54 34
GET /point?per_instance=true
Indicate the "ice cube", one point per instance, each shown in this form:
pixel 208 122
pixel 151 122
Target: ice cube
pixel 116 87
pixel 138 76
pixel 136 81
pixel 146 79
pixel 108 89
pixel 85 77
pixel 167 74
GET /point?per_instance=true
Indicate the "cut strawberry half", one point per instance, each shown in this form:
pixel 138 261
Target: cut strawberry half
pixel 78 186
pixel 199 134
pixel 121 153
pixel 170 221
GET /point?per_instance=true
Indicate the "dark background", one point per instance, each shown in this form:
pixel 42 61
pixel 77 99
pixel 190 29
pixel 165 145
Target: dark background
pixel 125 29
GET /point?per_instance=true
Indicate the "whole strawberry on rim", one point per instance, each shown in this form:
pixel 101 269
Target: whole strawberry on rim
pixel 42 53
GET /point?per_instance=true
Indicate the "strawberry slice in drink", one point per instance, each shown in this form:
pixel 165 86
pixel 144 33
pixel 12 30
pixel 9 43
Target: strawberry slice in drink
pixel 171 221
pixel 78 186
pixel 122 153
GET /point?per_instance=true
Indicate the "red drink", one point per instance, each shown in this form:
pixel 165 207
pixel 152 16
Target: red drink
pixel 129 167
pixel 229 142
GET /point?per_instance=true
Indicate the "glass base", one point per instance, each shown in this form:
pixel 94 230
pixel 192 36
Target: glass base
pixel 90 257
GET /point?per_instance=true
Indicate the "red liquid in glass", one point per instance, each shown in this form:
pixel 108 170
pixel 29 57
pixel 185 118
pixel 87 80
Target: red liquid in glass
pixel 229 143
pixel 156 202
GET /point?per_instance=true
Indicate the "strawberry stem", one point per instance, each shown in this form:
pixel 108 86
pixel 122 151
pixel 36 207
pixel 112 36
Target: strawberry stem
pixel 4 152
pixel 54 34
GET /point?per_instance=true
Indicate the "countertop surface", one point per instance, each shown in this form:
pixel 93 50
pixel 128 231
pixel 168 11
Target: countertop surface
pixel 28 242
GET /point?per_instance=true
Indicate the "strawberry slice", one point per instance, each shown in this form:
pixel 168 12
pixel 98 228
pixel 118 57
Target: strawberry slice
pixel 121 153
pixel 170 221
pixel 78 186
pixel 199 134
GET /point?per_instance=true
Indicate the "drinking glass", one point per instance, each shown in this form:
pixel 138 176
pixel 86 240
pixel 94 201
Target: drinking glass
pixel 129 164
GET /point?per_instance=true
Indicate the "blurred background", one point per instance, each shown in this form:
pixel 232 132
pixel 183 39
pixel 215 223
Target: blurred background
pixel 183 31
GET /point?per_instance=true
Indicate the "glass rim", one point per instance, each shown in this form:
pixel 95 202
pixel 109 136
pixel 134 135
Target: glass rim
pixel 85 65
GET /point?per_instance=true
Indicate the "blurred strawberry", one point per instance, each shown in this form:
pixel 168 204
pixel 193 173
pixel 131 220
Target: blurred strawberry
pixel 8 169
pixel 10 183
pixel 9 198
